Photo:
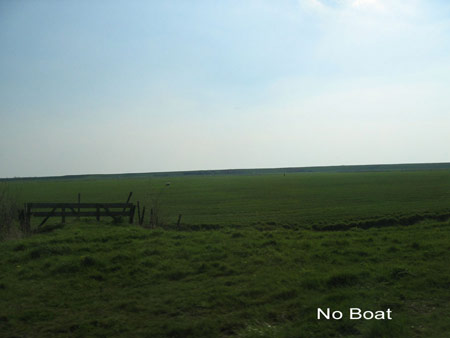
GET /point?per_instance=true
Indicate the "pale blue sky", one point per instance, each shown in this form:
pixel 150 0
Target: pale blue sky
pixel 141 86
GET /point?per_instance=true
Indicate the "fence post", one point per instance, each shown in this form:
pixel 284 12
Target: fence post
pixel 132 209
pixel 79 201
pixel 179 221
pixel 128 200
pixel 139 213
pixel 63 213
pixel 28 213
pixel 98 214
pixel 151 218
pixel 141 221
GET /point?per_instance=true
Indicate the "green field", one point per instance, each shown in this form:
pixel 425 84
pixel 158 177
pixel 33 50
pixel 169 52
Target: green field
pixel 255 257
pixel 294 200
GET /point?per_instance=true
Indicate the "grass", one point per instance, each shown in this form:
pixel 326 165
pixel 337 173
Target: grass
pixel 294 200
pixel 115 280
pixel 261 270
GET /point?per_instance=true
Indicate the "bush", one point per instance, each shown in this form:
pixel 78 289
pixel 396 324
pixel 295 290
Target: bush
pixel 155 199
pixel 8 210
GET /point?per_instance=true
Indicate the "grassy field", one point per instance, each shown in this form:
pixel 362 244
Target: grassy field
pixel 294 200
pixel 261 270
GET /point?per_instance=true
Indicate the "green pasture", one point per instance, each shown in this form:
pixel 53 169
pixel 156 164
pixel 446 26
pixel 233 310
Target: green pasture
pixel 298 199
pixel 248 260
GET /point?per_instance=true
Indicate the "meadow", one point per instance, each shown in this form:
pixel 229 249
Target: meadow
pixel 255 256
pixel 294 200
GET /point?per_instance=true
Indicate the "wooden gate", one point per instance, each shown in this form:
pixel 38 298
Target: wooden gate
pixel 63 210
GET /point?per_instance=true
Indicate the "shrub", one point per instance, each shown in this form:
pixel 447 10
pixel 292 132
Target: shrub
pixel 156 211
pixel 8 210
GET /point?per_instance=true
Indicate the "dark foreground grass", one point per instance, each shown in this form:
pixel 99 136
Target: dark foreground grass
pixel 124 281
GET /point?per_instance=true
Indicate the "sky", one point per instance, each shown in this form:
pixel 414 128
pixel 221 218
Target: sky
pixel 93 87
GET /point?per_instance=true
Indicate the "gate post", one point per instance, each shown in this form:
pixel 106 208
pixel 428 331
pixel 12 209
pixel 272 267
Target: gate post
pixel 63 215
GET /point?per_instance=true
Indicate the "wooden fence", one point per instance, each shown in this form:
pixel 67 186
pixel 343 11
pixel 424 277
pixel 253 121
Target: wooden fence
pixel 63 210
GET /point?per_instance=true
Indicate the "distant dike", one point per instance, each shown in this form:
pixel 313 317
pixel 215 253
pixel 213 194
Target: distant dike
pixel 290 170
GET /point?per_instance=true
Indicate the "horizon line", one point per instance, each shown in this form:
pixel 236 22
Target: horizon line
pixel 167 173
